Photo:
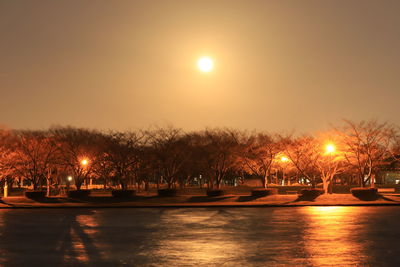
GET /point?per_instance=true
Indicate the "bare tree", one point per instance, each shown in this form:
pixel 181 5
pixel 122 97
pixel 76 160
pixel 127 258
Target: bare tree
pixel 121 156
pixel 258 152
pixel 365 145
pixel 220 148
pixel 80 151
pixel 303 155
pixel 37 153
pixel 330 163
pixel 8 157
pixel 169 152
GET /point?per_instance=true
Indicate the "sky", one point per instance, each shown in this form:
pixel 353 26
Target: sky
pixel 278 65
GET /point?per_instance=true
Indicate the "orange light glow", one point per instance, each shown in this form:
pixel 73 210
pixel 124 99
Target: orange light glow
pixel 330 148
pixel 284 159
pixel 85 162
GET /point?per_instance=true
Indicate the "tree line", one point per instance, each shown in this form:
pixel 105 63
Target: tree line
pixel 350 154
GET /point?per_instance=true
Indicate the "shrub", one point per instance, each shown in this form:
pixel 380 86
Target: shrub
pixel 263 192
pixel 310 193
pixel 215 193
pixel 122 193
pixel 167 192
pixel 35 194
pixel 284 189
pixel 78 193
pixel 367 194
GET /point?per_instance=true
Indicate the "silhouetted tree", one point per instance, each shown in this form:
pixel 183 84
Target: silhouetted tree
pixel 121 156
pixel 220 150
pixel 169 152
pixel 258 152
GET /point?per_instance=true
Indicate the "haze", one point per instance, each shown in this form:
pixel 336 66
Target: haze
pixel 279 65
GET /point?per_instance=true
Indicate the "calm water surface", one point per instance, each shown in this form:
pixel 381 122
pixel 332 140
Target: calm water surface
pixel 308 236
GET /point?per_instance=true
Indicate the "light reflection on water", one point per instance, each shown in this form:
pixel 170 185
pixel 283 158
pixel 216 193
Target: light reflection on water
pixel 201 236
pixel 304 236
pixel 330 236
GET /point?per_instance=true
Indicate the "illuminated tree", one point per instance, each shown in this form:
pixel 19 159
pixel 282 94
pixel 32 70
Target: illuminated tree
pixel 36 157
pixel 303 155
pixel 8 156
pixel 80 151
pixel 329 163
pixel 365 145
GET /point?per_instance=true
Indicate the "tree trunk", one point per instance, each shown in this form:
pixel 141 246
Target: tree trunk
pixel 78 183
pixel 265 180
pixel 325 185
pixel 47 187
pixel 105 183
pixel 330 187
pixel 218 184
pixel 35 185
pixel 123 184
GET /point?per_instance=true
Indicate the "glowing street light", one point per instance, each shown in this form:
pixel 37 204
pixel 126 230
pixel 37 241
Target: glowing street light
pixel 330 148
pixel 69 178
pixel 84 162
pixel 284 159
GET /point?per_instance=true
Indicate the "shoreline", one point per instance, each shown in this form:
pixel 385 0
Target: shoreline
pixel 195 201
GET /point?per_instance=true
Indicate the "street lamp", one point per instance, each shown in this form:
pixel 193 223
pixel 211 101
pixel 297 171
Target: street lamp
pixel 330 148
pixel 69 180
pixel 84 162
pixel 284 159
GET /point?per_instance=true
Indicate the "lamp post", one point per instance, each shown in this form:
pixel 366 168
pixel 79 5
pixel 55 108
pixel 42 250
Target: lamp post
pixel 85 163
pixel 69 180
pixel 283 159
pixel 330 149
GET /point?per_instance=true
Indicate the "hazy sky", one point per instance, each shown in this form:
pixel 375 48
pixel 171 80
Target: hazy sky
pixel 279 65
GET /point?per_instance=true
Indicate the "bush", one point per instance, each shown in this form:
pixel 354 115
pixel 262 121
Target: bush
pixel 263 192
pixel 310 193
pixel 215 193
pixel 284 189
pixel 122 193
pixel 167 192
pixel 367 194
pixel 78 193
pixel 35 194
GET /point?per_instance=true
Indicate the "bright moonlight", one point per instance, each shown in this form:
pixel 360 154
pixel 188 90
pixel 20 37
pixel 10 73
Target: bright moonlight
pixel 205 64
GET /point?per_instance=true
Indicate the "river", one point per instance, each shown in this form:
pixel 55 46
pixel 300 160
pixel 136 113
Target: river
pixel 297 236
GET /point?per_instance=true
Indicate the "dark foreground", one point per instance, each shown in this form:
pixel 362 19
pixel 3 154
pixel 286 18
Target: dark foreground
pixel 310 236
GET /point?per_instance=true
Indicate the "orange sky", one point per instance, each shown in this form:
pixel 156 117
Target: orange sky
pixel 279 65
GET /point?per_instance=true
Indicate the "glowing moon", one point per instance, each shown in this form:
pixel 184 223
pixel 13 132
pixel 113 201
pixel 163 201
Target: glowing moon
pixel 205 64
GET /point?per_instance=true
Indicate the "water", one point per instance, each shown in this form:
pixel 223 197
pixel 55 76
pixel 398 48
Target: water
pixel 308 236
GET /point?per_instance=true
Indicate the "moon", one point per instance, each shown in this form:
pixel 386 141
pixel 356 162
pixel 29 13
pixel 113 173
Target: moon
pixel 205 64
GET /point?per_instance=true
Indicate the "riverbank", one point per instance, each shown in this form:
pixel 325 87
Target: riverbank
pixel 195 201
